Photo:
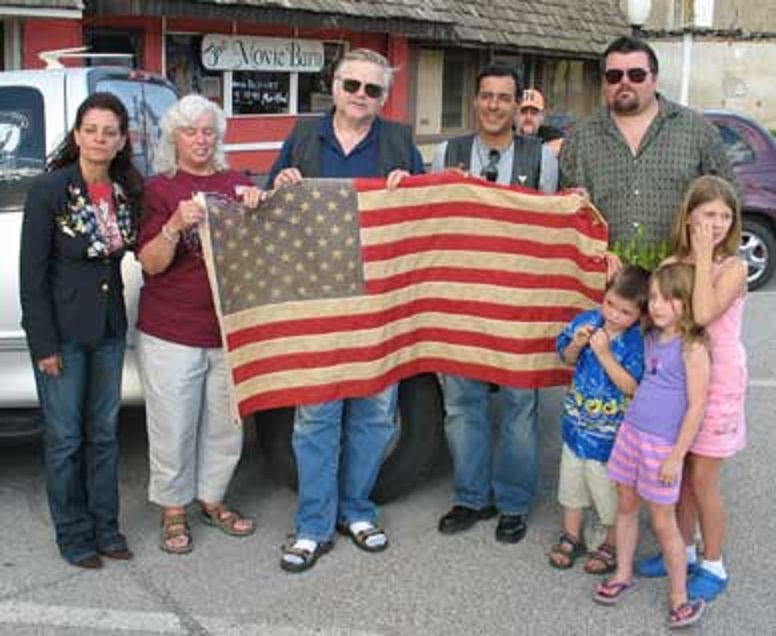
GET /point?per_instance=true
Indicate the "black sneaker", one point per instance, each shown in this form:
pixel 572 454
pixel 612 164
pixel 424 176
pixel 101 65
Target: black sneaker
pixel 511 528
pixel 460 518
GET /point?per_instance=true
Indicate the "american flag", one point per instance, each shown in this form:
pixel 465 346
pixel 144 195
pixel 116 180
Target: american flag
pixel 338 288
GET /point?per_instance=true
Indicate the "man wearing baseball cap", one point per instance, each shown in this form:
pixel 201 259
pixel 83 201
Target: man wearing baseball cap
pixel 530 120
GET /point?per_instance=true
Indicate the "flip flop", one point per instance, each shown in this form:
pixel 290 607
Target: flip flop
pixel 609 592
pixel 686 614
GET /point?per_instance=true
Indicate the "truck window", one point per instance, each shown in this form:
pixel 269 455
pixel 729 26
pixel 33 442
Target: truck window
pixel 146 102
pixel 22 143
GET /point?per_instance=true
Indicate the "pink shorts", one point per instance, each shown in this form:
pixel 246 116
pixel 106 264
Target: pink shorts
pixel 635 461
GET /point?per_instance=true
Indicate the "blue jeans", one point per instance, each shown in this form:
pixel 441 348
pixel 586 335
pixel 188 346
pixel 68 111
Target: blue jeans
pixel 339 448
pixel 80 410
pixel 506 475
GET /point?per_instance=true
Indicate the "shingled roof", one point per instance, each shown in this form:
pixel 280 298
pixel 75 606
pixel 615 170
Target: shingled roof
pixel 572 26
pixel 582 27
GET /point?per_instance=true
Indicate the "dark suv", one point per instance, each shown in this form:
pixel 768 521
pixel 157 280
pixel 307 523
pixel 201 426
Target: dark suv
pixel 752 151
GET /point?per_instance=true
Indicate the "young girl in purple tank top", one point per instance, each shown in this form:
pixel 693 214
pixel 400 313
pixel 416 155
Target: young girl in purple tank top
pixel 658 429
pixel 707 233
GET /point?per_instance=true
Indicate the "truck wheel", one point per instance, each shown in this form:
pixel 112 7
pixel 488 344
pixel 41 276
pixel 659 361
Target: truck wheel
pixel 409 459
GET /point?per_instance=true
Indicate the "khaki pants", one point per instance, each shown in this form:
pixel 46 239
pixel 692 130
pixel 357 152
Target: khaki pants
pixel 194 443
pixel 585 484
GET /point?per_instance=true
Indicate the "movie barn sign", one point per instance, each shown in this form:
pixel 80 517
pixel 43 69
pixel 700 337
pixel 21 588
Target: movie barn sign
pixel 248 53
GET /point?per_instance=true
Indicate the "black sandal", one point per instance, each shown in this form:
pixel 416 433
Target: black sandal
pixel 307 557
pixel 361 538
pixel 568 548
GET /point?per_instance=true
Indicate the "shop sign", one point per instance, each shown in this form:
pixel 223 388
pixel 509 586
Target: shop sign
pixel 250 53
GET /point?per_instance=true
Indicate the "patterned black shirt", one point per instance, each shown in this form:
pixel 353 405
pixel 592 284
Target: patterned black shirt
pixel 646 188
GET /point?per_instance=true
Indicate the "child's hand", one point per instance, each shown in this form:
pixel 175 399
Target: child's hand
pixel 670 470
pixel 599 343
pixel 582 336
pixel 702 240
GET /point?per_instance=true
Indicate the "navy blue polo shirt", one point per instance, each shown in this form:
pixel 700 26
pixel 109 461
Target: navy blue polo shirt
pixel 361 162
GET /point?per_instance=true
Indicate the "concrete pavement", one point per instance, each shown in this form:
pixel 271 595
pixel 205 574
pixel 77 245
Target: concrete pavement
pixel 425 583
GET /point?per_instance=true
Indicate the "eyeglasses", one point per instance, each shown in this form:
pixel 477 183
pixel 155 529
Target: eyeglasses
pixel 490 171
pixel 635 75
pixel 352 86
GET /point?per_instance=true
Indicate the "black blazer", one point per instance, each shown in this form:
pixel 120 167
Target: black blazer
pixel 65 293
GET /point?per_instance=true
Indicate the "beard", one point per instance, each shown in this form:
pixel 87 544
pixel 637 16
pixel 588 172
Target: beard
pixel 626 102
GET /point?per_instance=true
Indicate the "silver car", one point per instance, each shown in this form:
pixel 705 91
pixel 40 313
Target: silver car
pixel 37 108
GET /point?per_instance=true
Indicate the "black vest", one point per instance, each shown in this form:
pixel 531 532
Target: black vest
pixel 527 158
pixel 394 147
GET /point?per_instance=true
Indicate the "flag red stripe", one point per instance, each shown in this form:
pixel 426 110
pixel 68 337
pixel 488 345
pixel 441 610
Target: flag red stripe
pixel 349 355
pixel 379 217
pixel 351 322
pixel 358 388
pixel 486 244
pixel 477 276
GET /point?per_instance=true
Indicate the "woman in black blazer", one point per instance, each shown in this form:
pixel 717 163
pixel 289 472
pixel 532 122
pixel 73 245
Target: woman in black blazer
pixel 79 219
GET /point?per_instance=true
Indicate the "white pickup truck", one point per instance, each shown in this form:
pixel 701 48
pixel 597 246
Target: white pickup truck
pixel 37 108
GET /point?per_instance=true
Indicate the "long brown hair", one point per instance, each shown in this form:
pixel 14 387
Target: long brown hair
pixel 121 169
pixel 675 281
pixel 704 190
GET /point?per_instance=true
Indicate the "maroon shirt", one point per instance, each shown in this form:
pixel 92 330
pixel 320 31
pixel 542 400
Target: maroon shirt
pixel 176 304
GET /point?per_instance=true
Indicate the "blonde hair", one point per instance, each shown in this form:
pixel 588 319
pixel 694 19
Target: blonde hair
pixel 704 190
pixel 367 55
pixel 675 282
pixel 183 113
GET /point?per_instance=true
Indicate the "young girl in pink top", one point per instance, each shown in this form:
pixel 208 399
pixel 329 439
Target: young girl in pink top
pixel 707 233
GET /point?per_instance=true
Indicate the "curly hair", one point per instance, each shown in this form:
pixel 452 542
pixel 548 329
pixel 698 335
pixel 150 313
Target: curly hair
pixel 183 113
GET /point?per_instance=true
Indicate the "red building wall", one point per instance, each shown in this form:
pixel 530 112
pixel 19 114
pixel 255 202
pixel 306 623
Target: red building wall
pixel 40 35
pixel 47 35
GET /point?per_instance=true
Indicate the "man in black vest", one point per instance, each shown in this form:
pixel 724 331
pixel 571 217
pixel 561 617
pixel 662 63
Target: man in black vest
pixel 503 479
pixel 339 446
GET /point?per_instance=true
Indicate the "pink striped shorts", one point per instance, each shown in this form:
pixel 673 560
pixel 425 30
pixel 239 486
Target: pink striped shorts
pixel 635 461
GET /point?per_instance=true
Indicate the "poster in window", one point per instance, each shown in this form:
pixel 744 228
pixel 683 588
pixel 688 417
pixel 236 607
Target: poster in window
pixel 260 93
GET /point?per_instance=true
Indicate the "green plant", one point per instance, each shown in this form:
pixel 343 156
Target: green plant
pixel 637 250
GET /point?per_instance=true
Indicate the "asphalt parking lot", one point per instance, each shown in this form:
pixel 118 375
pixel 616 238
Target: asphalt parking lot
pixel 425 583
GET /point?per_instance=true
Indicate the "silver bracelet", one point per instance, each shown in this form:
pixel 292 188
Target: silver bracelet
pixel 170 237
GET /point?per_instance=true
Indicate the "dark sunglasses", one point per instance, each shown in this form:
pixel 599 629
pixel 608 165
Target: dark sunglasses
pixel 490 171
pixel 375 91
pixel 635 75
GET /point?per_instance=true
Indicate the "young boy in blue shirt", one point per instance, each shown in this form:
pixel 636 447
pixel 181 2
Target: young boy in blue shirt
pixel 607 349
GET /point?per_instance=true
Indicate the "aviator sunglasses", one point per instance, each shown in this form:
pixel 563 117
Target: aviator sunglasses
pixel 375 91
pixel 635 75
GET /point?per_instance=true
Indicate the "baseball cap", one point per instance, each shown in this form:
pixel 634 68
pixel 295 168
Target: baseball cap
pixel 532 99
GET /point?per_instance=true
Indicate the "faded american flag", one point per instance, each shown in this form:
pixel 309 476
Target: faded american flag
pixel 337 288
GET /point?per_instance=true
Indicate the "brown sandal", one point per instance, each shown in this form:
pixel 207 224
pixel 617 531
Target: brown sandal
pixel 566 551
pixel 227 520
pixel 174 526
pixel 603 560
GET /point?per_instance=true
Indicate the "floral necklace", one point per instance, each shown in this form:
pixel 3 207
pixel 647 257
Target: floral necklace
pixel 81 218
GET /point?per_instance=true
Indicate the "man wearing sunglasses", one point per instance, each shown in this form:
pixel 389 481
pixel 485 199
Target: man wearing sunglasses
pixel 637 155
pixel 490 480
pixel 339 446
